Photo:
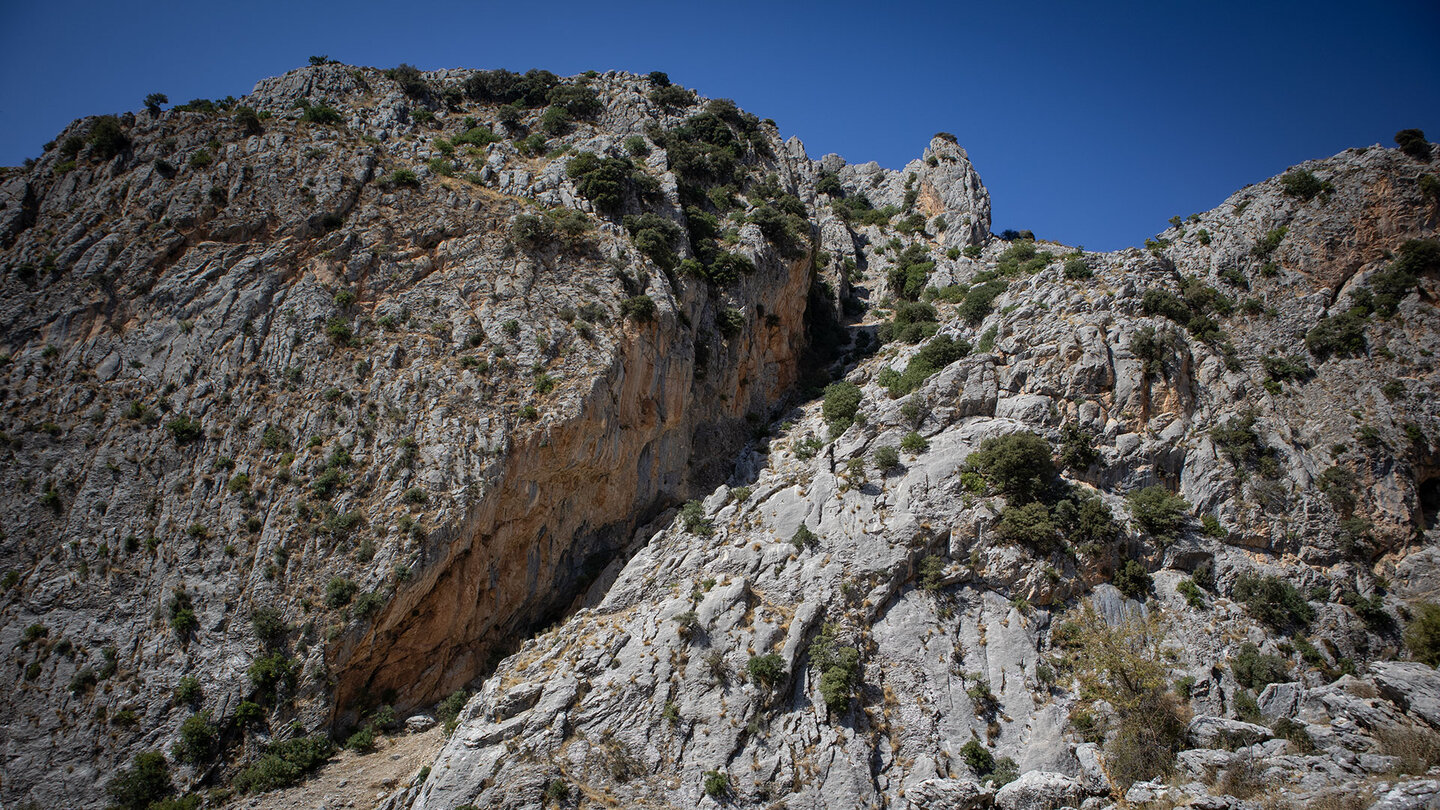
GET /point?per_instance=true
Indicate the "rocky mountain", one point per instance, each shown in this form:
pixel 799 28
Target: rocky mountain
pixel 320 403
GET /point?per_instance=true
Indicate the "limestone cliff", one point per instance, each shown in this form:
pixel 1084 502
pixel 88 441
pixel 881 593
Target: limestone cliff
pixel 319 402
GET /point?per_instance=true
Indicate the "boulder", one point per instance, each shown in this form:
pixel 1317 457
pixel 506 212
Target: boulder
pixel 1041 790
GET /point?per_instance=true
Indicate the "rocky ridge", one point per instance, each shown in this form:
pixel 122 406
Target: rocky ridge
pixel 429 406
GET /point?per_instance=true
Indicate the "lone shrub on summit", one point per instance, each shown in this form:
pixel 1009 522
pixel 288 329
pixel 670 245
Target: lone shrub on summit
pixel 1412 142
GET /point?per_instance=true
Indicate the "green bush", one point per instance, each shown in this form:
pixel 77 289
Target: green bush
pixel 1019 465
pixel 531 231
pixel 886 458
pixel 182 614
pixel 555 121
pixel 1192 593
pixel 107 138
pixel 1274 601
pixel 198 737
pixel 284 764
pixel 839 668
pixel 603 181
pixel 1292 367
pixel 1133 580
pixel 269 673
pixel 692 517
pixel 1422 634
pixel 717 785
pixel 842 401
pixel 638 308
pixel 362 740
pixel 249 713
pixel 577 100
pixel 1342 335
pixel 672 96
pixel 914 443
pixel 321 114
pixel 411 82
pixel 912 322
pixel 1085 519
pixel 654 236
pixel 1159 513
pixel 766 670
pixel 940 352
pixel 153 102
pixel 1077 447
pixel 980 301
pixel 339 591
pixel 1030 524
pixel 402 178
pixel 1412 142
pixel 184 429
pixel 978 758
pixel 448 710
pixel 504 87
pixel 1304 185
pixel 146 782
pixel 188 691
pixel 368 604
pixel 1254 670
pixel 1076 269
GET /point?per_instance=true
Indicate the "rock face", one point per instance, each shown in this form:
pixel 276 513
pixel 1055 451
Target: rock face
pixel 328 398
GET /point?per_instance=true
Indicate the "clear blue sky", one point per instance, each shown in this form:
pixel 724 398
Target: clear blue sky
pixel 1090 123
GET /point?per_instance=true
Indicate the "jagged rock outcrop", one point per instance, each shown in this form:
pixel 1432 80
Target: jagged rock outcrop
pixel 651 696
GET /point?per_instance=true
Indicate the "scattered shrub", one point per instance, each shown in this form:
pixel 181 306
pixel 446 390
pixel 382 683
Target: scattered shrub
pixel 842 401
pixel 914 443
pixel 1302 184
pixel 184 429
pixel 107 138
pixel 935 355
pixel 886 458
pixel 145 783
pixel 1341 335
pixel 1422 634
pixel 1158 512
pixel 531 231
pixel 692 517
pixel 1254 670
pixel 188 691
pixel 269 673
pixel 1018 465
pixel 1133 580
pixel 339 591
pixel 1274 601
pixel 766 670
pixel 198 737
pixel 1030 524
pixel 803 537
pixel 638 308
pixel 1126 667
pixel 717 785
pixel 284 764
